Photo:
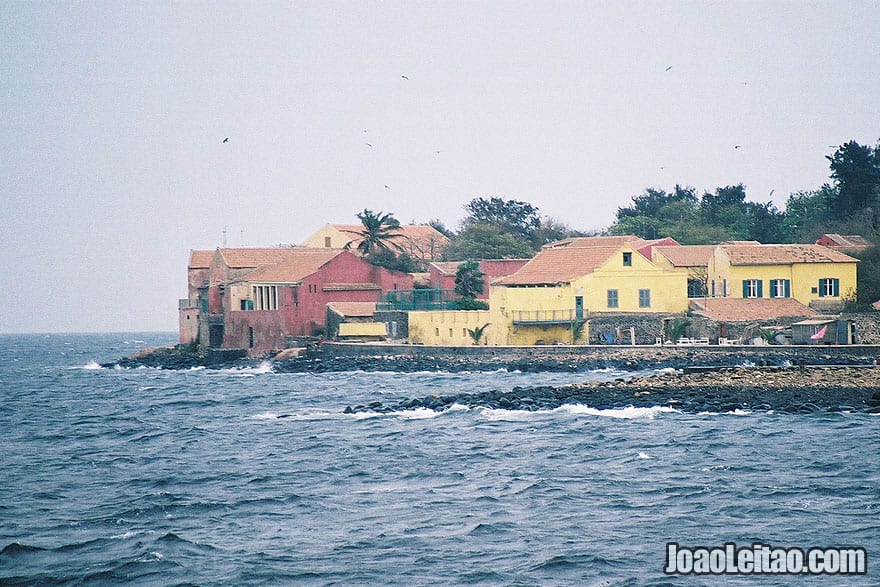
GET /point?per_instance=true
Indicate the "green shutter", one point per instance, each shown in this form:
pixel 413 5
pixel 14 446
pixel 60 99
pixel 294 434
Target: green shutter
pixel 745 288
pixel 788 288
pixel 773 288
pixel 836 283
pixel 821 290
pixel 760 288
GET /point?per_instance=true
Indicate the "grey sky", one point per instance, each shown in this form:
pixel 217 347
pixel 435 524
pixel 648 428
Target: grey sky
pixel 112 116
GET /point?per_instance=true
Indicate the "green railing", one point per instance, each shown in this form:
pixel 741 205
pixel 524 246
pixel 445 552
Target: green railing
pixel 418 299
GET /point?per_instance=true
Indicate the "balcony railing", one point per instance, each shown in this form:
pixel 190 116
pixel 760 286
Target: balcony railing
pixel 418 299
pixel 545 316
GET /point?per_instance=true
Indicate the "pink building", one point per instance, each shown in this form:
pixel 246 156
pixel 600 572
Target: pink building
pixel 256 298
pixel 442 274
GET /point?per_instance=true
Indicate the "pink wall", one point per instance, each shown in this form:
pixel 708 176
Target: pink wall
pixel 302 309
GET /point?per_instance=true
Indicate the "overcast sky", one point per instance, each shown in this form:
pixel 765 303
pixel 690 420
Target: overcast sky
pixel 112 117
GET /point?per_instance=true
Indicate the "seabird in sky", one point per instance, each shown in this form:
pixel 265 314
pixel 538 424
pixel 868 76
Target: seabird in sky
pixel 668 68
pixel 226 140
pixel 404 77
pixel 737 146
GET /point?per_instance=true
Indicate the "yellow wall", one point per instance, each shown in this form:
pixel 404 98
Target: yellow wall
pixel 371 329
pixel 338 239
pixel 666 284
pixel 450 327
pixel 804 277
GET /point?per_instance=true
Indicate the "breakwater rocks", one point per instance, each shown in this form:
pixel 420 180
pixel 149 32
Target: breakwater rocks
pixel 340 357
pixel 793 390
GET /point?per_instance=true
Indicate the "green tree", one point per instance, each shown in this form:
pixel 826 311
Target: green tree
pixel 485 241
pixel 476 334
pixel 855 169
pixel 469 279
pixel 377 233
pixel 520 219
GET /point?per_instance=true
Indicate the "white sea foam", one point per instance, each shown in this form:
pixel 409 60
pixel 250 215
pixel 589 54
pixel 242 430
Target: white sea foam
pixel 627 413
pixel 644 455
pixel 261 369
pixel 265 416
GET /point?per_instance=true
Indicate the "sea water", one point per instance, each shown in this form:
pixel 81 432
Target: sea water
pixel 250 477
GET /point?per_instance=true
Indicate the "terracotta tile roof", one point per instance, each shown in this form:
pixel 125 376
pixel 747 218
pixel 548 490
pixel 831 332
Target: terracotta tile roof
pixel 200 259
pixel 561 264
pixel 446 267
pixel 850 241
pixel 783 254
pixel 598 241
pixel 491 267
pixel 411 232
pixel 355 309
pixel 243 258
pixel 299 263
pixel 749 310
pixel 646 249
pixel 350 286
pixel 687 255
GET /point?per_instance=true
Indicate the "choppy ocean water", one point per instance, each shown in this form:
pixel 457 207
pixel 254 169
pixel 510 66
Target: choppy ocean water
pixel 249 477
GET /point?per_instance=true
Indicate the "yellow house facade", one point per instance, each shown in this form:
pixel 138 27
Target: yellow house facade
pixel 549 300
pixel 807 273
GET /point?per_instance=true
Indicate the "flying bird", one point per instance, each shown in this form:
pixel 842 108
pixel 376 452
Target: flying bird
pixel 668 68
pixel 737 146
pixel 386 187
pixel 404 77
pixel 369 145
pixel 226 140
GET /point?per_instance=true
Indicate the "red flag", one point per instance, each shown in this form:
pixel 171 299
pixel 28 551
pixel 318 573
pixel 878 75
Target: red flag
pixel 821 334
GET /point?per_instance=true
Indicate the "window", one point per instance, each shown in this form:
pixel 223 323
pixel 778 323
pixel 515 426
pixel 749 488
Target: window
pixel 612 298
pixel 326 242
pixel 780 288
pixel 752 288
pixel 644 298
pixel 627 259
pixel 247 305
pixel 265 297
pixel 829 287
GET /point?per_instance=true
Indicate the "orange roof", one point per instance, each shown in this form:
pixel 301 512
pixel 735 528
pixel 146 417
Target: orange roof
pixel 358 309
pixel 299 263
pixel 247 258
pixel 741 254
pixel 687 255
pixel 749 310
pixel 414 232
pixel 561 264
pixel 200 259
pixel 490 267
pixel 598 241
pixel 852 241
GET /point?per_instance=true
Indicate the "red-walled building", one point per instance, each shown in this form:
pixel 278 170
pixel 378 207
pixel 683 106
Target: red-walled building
pixel 256 298
pixel 442 274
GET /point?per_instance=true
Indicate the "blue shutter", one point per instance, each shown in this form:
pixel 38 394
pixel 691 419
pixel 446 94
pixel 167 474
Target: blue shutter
pixel 788 288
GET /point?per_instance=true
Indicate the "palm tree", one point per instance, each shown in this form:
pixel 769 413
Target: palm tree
pixel 477 333
pixel 378 233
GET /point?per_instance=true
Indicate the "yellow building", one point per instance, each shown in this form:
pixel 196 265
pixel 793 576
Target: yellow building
pixel 811 274
pixel 549 300
pixel 421 242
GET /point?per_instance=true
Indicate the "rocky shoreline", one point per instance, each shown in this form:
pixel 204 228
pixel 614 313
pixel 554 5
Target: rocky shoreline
pixel 781 379
pixel 790 390
pixel 408 359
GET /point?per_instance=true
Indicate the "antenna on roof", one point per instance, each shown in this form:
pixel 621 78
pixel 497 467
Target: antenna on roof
pixel 225 228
